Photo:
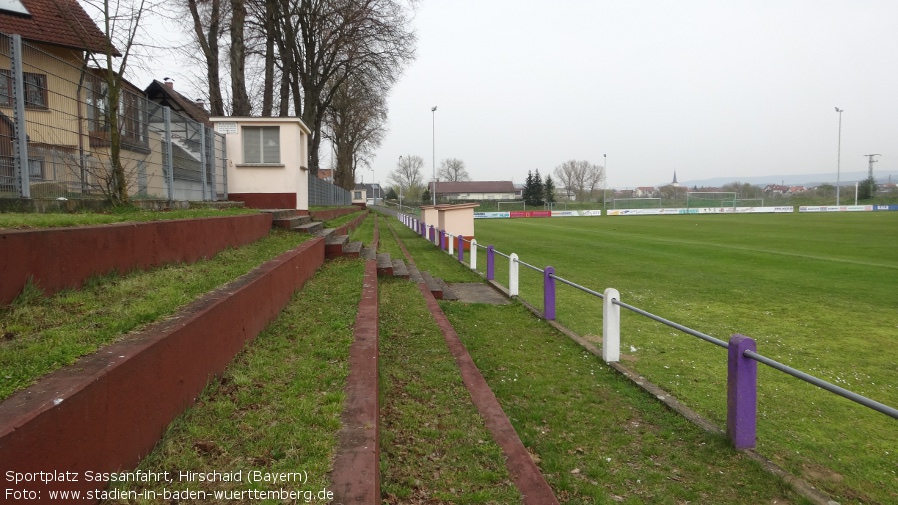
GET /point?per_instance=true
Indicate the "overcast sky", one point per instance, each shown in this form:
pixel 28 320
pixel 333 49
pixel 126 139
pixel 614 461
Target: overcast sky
pixel 703 88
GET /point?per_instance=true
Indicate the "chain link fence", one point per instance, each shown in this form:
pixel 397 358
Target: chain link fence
pixel 324 193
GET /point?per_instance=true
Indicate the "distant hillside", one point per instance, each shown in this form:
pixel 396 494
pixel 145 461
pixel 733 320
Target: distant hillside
pixel 809 180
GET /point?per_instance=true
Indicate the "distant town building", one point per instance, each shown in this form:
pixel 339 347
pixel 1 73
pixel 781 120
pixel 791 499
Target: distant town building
pixel 475 190
pixel 647 191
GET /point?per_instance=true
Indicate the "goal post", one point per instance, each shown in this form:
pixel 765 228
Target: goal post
pixel 636 203
pixel 710 199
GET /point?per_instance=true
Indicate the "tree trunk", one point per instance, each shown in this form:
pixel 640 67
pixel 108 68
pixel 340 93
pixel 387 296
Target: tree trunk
pixel 239 96
pixel 209 45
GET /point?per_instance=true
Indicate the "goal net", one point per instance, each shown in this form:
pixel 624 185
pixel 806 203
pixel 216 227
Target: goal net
pixel 750 202
pixel 636 203
pixel 710 199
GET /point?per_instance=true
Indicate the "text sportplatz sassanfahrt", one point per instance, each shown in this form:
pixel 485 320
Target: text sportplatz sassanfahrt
pixel 45 485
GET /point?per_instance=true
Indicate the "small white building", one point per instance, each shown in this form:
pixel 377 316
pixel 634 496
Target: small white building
pixel 267 161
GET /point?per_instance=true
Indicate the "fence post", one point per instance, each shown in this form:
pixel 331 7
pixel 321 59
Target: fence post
pixel 203 160
pixel 461 249
pixel 513 275
pixel 490 263
pixel 432 239
pixel 611 327
pixel 549 294
pixel 473 254
pixel 442 237
pixel 168 162
pixel 21 169
pixel 451 242
pixel 742 393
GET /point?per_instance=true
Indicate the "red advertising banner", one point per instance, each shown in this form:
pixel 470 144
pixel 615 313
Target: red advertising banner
pixel 530 213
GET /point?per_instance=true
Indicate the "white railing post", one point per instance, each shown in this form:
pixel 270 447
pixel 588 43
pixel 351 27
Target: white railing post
pixel 451 244
pixel 513 275
pixel 611 327
pixel 473 254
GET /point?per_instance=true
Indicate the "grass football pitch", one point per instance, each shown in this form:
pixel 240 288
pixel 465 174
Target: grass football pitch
pixel 818 292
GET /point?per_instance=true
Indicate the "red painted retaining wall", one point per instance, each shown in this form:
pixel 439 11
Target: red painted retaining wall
pixel 60 258
pixel 108 410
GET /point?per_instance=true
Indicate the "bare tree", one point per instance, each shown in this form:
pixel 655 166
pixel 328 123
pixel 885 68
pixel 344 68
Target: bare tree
pixel 325 42
pixel 580 177
pixel 120 23
pixel 239 96
pixel 453 170
pixel 355 127
pixel 207 28
pixel 407 176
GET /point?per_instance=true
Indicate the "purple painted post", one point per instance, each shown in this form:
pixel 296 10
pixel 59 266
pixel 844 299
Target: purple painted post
pixel 490 263
pixel 431 235
pixel 461 249
pixel 549 294
pixel 742 393
pixel 442 240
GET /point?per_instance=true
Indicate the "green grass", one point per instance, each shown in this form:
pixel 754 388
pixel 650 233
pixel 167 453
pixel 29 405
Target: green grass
pixel 598 438
pixel 816 291
pixel 277 407
pixel 16 220
pixel 43 334
pixel 365 232
pixel 434 445
pixel 340 221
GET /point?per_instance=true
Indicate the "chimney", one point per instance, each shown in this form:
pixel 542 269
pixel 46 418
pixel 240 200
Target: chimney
pixel 169 82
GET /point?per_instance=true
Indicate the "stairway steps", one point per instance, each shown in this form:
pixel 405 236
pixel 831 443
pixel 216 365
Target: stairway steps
pixel 399 269
pixel 384 265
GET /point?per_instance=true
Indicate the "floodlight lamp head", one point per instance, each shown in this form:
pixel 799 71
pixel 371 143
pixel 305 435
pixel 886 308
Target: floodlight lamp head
pixel 839 110
pixel 434 109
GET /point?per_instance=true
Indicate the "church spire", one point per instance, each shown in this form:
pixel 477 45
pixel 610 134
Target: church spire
pixel 675 183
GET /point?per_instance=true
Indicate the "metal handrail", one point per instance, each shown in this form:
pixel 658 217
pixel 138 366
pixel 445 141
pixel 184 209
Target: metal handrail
pixel 528 265
pixel 684 329
pixel 832 388
pixel 577 286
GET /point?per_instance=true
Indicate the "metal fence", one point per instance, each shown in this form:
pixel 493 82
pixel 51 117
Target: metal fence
pixel 324 193
pixel 742 358
pixel 56 142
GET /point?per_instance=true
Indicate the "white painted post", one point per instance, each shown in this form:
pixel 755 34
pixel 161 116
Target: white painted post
pixel 513 275
pixel 451 244
pixel 473 254
pixel 611 327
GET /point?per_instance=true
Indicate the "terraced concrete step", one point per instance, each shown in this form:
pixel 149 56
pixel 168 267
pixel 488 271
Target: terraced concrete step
pixel 352 249
pixel 414 275
pixel 310 228
pixel 435 289
pixel 277 214
pixel 399 269
pixel 384 265
pixel 291 223
pixel 334 245
pixel 448 292
pixel 368 253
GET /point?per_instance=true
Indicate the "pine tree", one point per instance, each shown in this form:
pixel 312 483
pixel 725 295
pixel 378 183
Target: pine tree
pixel 549 190
pixel 537 189
pixel 527 193
pixel 426 198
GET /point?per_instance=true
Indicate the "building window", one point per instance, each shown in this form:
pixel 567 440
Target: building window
pixel 36 169
pixel 35 87
pixel 262 144
pixel 133 122
pixel 358 195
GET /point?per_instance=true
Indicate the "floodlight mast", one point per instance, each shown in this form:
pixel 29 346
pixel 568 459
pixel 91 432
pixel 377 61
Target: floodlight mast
pixel 839 159
pixel 870 162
